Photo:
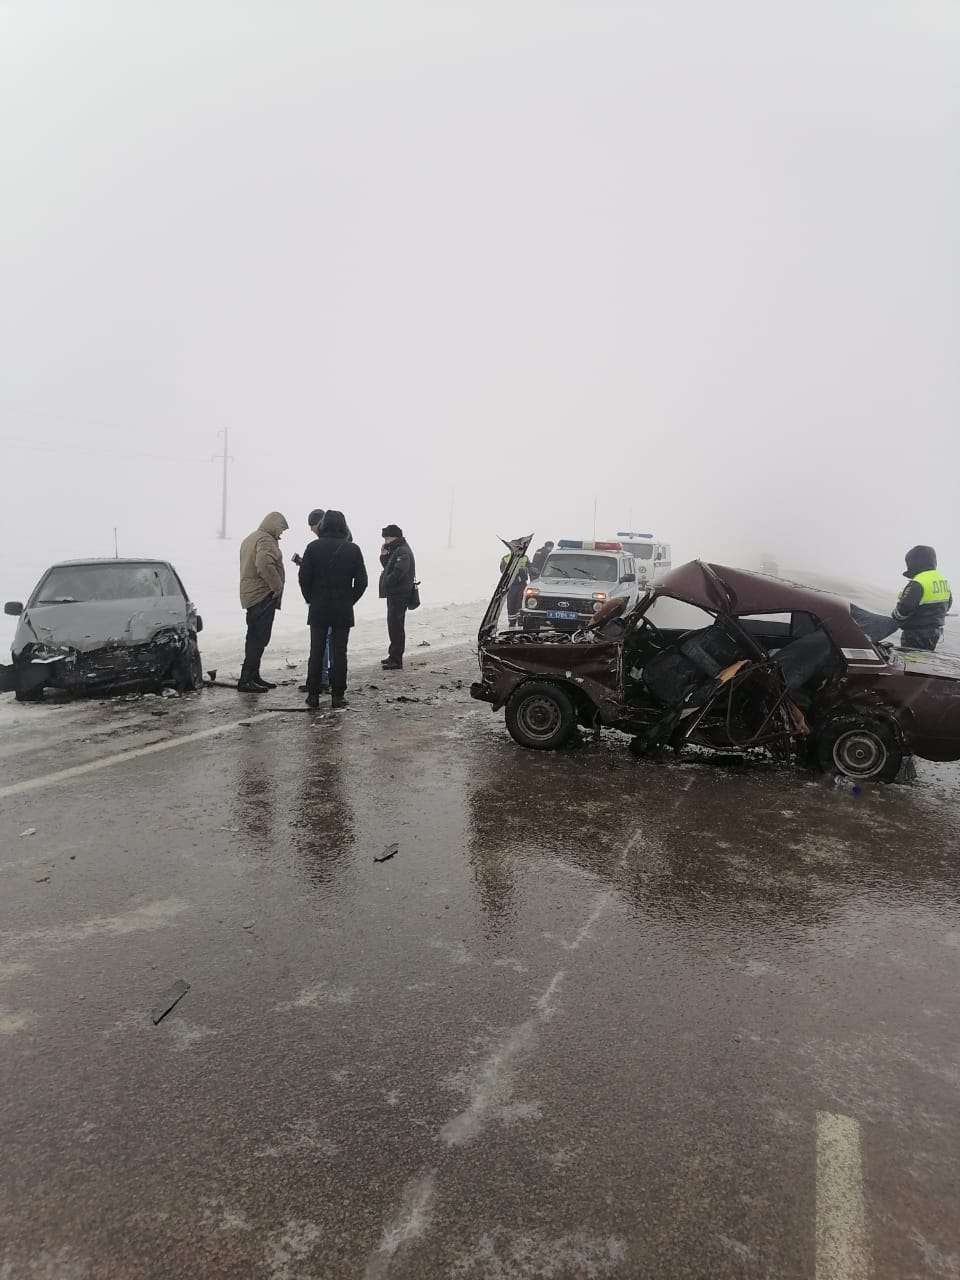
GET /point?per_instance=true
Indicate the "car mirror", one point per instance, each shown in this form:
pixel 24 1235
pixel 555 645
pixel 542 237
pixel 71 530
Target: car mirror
pixel 629 577
pixel 13 608
pixel 199 624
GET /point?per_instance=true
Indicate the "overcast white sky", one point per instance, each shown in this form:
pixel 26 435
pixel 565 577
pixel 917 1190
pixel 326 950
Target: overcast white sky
pixel 699 259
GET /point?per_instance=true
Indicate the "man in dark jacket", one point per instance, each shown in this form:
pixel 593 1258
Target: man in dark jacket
pixel 539 559
pixel 396 583
pixel 515 594
pixel 332 578
pixel 314 520
pixel 924 602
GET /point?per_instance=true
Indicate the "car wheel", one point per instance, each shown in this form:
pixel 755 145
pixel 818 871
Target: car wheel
pixel 190 677
pixel 541 716
pixel 30 695
pixel 860 748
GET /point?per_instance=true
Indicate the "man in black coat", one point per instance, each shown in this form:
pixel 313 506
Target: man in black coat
pixel 333 577
pixel 396 583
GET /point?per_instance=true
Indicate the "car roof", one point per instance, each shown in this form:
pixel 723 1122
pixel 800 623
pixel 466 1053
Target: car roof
pixel 102 560
pixel 719 588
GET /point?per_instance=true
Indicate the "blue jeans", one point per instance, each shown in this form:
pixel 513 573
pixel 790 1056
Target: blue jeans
pixel 325 668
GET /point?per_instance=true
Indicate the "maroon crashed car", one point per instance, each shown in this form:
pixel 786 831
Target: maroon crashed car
pixel 726 660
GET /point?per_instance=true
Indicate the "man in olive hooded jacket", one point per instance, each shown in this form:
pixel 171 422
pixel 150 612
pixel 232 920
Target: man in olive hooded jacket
pixel 261 594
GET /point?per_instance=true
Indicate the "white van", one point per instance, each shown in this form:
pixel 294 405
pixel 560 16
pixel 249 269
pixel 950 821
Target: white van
pixel 652 558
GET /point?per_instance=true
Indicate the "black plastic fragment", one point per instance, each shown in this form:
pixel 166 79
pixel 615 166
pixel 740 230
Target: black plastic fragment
pixel 389 852
pixel 169 999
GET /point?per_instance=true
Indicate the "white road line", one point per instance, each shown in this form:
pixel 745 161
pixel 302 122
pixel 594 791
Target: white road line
pixel 601 902
pixel 104 762
pixel 410 1223
pixel 842 1248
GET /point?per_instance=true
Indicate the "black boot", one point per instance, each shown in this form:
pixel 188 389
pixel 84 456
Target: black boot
pixel 339 702
pixel 313 701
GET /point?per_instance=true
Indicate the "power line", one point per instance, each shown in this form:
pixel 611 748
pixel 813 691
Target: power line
pixel 102 453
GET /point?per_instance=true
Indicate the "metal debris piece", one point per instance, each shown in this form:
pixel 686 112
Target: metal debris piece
pixel 169 999
pixel 30 831
pixel 424 644
pixel 389 852
pixel 248 924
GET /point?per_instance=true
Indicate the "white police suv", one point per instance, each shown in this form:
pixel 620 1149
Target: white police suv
pixel 577 579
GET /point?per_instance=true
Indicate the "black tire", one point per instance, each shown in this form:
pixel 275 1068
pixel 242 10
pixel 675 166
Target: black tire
pixel 541 716
pixel 190 669
pixel 30 695
pixel 863 748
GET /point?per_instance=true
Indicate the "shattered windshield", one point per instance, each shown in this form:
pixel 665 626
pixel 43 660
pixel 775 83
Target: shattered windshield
pixel 642 550
pixel 73 584
pixel 581 565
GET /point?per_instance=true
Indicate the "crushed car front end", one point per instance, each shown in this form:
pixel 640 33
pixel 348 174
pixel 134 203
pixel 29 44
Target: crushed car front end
pixel 547 670
pixel 113 641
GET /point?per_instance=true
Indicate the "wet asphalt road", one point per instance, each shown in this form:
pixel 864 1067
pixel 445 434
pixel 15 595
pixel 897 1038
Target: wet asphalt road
pixel 596 1018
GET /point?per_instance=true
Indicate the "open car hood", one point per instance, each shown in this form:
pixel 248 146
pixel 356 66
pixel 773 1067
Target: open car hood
pixel 518 546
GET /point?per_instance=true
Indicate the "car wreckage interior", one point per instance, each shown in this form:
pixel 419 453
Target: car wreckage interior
pixel 690 676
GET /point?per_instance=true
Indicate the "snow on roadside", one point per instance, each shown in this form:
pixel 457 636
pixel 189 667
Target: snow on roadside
pixel 436 627
pixel 439 628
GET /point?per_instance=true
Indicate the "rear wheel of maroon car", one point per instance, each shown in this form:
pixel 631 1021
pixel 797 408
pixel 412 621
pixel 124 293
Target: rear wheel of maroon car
pixel 863 748
pixel 541 716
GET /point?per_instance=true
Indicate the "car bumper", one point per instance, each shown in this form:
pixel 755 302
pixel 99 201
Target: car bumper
pixel 114 669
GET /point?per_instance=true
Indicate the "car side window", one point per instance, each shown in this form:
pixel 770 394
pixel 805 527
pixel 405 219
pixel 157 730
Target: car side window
pixel 169 583
pixel 677 615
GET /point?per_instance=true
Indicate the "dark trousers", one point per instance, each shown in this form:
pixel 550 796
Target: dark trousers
pixel 396 626
pixel 514 602
pixel 338 638
pixel 259 629
pixel 923 638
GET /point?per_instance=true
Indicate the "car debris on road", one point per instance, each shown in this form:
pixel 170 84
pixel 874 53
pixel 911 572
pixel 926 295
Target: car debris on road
pixel 168 1000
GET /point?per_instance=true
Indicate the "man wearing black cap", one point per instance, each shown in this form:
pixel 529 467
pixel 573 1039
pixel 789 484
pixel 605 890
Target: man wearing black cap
pixel 332 579
pixel 396 584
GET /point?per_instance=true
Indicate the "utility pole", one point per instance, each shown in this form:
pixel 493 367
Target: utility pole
pixel 594 518
pixel 225 457
pixel 450 530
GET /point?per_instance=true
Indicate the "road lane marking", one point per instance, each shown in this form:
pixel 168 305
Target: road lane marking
pixel 842 1248
pixel 104 762
pixel 489 1090
pixel 601 902
pixel 492 1088
pixel 412 1221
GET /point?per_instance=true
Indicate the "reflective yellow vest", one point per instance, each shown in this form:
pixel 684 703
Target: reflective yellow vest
pixel 936 589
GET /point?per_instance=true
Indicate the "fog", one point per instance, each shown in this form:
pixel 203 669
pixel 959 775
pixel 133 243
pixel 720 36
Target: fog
pixel 693 263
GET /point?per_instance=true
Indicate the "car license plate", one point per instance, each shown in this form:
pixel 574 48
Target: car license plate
pixel 561 615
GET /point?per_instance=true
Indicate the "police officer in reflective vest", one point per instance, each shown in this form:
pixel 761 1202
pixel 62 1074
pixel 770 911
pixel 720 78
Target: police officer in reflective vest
pixel 515 594
pixel 924 602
